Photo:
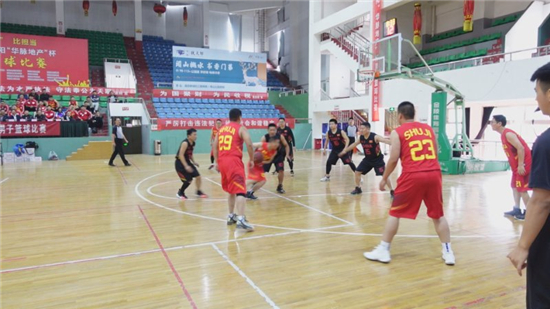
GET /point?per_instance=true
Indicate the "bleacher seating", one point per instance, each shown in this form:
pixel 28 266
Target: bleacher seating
pixel 451 58
pixel 273 81
pixel 505 20
pixel 26 29
pixel 481 39
pixel 158 55
pixel 212 108
pixel 100 45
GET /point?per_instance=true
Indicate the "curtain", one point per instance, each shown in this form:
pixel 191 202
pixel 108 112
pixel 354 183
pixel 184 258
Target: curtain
pixel 236 26
pixel 74 128
pixel 487 111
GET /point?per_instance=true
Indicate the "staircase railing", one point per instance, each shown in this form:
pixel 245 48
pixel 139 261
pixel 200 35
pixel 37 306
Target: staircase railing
pixel 357 45
pixel 325 96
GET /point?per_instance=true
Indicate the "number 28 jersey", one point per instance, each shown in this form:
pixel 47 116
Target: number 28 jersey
pixel 418 147
pixel 230 143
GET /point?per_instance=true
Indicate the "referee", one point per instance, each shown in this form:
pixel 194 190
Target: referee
pixel 351 130
pixel 118 139
pixel 533 249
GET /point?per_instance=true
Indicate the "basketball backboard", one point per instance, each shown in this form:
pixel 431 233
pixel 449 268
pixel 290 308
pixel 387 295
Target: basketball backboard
pixel 384 56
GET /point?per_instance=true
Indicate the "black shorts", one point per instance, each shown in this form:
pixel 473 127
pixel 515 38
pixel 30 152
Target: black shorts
pixel 183 174
pixel 365 166
pixel 538 270
pixel 278 161
pixel 333 157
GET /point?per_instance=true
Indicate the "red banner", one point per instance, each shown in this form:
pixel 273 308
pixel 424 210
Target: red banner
pixel 376 29
pixel 30 128
pixel 201 124
pixel 168 93
pixel 67 90
pixel 52 61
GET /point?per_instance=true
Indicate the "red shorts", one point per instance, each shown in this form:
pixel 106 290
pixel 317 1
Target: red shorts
pixel 256 173
pixel 520 183
pixel 232 171
pixel 412 189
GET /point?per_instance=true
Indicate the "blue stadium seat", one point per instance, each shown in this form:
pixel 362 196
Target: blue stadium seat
pixel 156 100
pixel 170 100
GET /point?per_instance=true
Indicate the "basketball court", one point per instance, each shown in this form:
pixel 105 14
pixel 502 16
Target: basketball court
pixel 98 237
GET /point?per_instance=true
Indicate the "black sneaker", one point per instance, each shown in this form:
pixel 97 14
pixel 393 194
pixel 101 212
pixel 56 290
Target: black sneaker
pixel 280 189
pixel 274 173
pixel 392 194
pixel 520 216
pixel 181 195
pixel 292 173
pixel 514 212
pixel 250 195
pixel 201 194
pixel 111 164
pixel 356 191
pixel 127 164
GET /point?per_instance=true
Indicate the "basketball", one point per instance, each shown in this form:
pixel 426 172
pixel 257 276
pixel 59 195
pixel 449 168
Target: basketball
pixel 258 157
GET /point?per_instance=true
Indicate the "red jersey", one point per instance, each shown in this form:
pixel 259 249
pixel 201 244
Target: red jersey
pixel 4 107
pixel 418 147
pixel 512 152
pixel 268 154
pixel 20 106
pixel 84 115
pixel 43 108
pixel 73 114
pixel 73 103
pixel 229 141
pixel 214 133
pixel 53 104
pixel 31 102
pixel 50 115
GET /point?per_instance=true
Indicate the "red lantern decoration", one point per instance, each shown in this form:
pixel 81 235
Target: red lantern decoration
pixel 468 15
pixel 185 16
pixel 115 8
pixel 85 6
pixel 159 9
pixel 417 23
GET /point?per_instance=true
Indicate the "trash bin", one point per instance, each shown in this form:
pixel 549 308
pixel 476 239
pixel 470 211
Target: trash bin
pixel 318 143
pixel 158 148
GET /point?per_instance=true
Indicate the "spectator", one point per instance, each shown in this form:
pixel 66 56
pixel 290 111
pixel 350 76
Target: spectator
pixel 4 106
pixel 112 98
pixel 42 106
pixel 49 114
pixel 26 116
pixel 11 115
pixel 40 116
pixel 20 104
pixel 96 122
pixel 34 95
pixel 94 100
pixel 88 106
pixel 44 95
pixel 22 93
pixel 67 116
pixel 53 103
pixel 84 114
pixel 72 113
pixel 2 115
pixel 73 102
pixel 31 104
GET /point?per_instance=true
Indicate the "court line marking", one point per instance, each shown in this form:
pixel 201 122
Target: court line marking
pixel 122 175
pixel 167 258
pixel 131 162
pixel 295 202
pixel 4 180
pixel 248 280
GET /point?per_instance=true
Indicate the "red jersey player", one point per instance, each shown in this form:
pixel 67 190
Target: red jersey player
pixel 519 157
pixel 415 144
pixel 256 174
pixel 213 142
pixel 228 154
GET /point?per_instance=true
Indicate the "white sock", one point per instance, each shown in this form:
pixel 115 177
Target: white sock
pixel 240 218
pixel 446 247
pixel 385 245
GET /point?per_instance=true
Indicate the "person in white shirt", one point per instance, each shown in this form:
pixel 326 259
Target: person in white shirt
pixel 118 139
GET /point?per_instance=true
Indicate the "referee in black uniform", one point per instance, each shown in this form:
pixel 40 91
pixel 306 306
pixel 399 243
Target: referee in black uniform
pixel 118 139
pixel 533 249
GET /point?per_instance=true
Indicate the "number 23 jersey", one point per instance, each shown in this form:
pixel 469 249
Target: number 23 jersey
pixel 418 147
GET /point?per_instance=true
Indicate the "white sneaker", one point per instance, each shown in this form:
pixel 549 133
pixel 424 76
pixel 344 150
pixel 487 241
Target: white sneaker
pixel 448 257
pixel 325 179
pixel 379 254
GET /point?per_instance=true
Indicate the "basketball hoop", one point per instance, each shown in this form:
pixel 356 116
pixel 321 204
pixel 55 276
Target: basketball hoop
pixel 367 76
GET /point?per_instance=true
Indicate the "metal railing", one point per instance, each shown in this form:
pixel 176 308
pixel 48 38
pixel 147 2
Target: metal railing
pixel 292 92
pixel 351 43
pixel 488 59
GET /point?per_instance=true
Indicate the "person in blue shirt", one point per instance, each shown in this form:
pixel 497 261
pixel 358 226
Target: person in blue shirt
pixel 533 248
pixel 95 101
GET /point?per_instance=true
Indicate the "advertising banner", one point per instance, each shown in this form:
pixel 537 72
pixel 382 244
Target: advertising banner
pixel 167 93
pixel 67 90
pixel 31 128
pixel 219 70
pixel 200 124
pixel 43 60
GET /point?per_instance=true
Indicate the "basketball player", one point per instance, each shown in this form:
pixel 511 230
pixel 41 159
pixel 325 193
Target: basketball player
pixel 256 175
pixel 282 153
pixel 374 158
pixel 213 143
pixel 533 249
pixel 339 141
pixel 519 157
pixel 186 167
pixel 415 144
pixel 286 132
pixel 228 154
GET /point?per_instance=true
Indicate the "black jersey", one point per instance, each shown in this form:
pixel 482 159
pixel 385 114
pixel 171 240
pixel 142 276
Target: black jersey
pixel 371 148
pixel 336 140
pixel 287 133
pixel 188 153
pixel 281 146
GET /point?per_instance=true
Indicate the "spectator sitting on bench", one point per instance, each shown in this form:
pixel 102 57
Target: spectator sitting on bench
pixel 49 114
pixel 94 99
pixel 73 102
pixel 44 95
pixel 84 114
pixel 33 94
pixel 96 122
pixel 112 98
pixel 40 116
pixel 25 117
pixel 53 103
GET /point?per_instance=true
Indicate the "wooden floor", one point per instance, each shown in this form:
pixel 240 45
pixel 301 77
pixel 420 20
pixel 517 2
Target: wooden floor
pixel 82 234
